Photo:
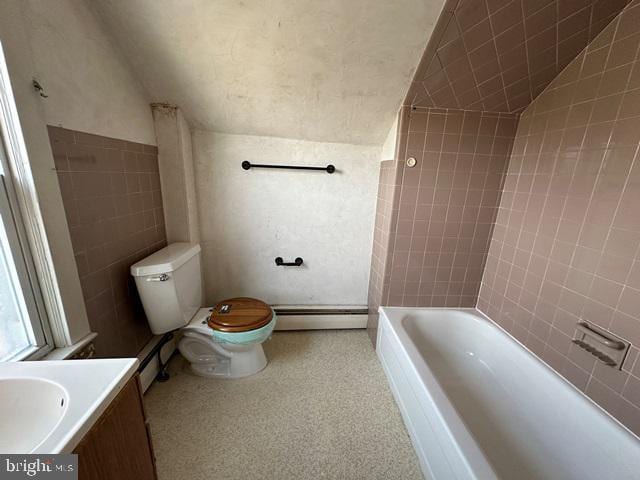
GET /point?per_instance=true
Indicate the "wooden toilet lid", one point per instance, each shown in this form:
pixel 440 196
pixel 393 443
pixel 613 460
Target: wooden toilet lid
pixel 240 315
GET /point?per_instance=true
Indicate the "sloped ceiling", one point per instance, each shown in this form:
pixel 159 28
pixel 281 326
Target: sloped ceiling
pixel 498 55
pixel 324 70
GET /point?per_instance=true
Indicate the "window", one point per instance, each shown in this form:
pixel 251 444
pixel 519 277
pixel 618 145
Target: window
pixel 24 329
pixel 21 330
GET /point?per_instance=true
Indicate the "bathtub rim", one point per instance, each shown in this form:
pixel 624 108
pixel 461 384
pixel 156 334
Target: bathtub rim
pixel 482 316
pixel 466 447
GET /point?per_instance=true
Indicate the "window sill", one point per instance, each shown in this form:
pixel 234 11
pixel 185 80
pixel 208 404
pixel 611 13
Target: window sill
pixel 67 352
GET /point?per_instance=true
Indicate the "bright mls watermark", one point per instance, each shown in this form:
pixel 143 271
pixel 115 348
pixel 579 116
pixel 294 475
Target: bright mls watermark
pixel 52 467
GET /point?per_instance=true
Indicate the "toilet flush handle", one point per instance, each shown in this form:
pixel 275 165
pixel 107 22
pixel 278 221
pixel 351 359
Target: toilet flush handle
pixel 159 278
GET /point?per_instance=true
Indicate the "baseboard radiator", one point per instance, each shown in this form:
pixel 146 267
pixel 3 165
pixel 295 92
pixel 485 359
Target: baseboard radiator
pixel 321 317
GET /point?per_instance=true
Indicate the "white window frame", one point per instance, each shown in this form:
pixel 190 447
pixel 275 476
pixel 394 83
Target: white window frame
pixel 21 190
pixel 29 298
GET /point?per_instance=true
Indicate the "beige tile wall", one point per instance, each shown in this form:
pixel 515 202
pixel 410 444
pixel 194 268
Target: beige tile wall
pixel 434 221
pixel 386 213
pixel 111 194
pixel 566 244
pixel 498 55
pixel 446 205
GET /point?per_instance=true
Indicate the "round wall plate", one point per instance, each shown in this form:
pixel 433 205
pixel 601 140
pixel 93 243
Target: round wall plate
pixel 411 162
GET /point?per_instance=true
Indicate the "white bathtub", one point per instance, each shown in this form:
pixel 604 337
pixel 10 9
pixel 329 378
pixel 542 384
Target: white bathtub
pixel 478 405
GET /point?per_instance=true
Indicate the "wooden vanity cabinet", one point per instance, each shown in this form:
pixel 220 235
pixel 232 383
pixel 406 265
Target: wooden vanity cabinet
pixel 118 446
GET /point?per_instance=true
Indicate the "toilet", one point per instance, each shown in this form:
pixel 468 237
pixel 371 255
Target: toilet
pixel 224 341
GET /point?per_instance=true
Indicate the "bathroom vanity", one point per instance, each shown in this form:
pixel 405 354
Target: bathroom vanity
pixel 119 443
pixel 89 407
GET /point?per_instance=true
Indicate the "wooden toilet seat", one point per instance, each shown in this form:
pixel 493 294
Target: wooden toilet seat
pixel 240 314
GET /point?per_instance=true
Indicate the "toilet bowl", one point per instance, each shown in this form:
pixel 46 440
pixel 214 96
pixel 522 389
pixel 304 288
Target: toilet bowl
pixel 224 354
pixel 224 341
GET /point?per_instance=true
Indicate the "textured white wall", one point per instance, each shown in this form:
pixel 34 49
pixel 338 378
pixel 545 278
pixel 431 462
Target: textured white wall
pixel 89 83
pixel 389 146
pixel 321 70
pixel 17 50
pixel 90 89
pixel 247 218
pixel 175 157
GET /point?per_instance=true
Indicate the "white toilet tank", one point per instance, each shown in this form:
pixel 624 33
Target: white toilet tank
pixel 170 285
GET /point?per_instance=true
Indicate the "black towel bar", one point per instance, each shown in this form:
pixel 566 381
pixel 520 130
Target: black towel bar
pixel 281 263
pixel 246 165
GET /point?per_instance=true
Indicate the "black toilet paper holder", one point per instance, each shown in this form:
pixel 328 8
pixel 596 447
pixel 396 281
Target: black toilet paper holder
pixel 296 263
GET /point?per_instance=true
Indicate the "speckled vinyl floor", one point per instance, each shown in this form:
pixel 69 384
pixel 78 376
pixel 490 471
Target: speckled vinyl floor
pixel 321 409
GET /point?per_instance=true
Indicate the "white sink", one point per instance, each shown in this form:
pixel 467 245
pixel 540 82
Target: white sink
pixel 47 407
pixel 31 408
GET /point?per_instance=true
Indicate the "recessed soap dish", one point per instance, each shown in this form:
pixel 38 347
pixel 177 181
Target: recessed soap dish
pixel 605 346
